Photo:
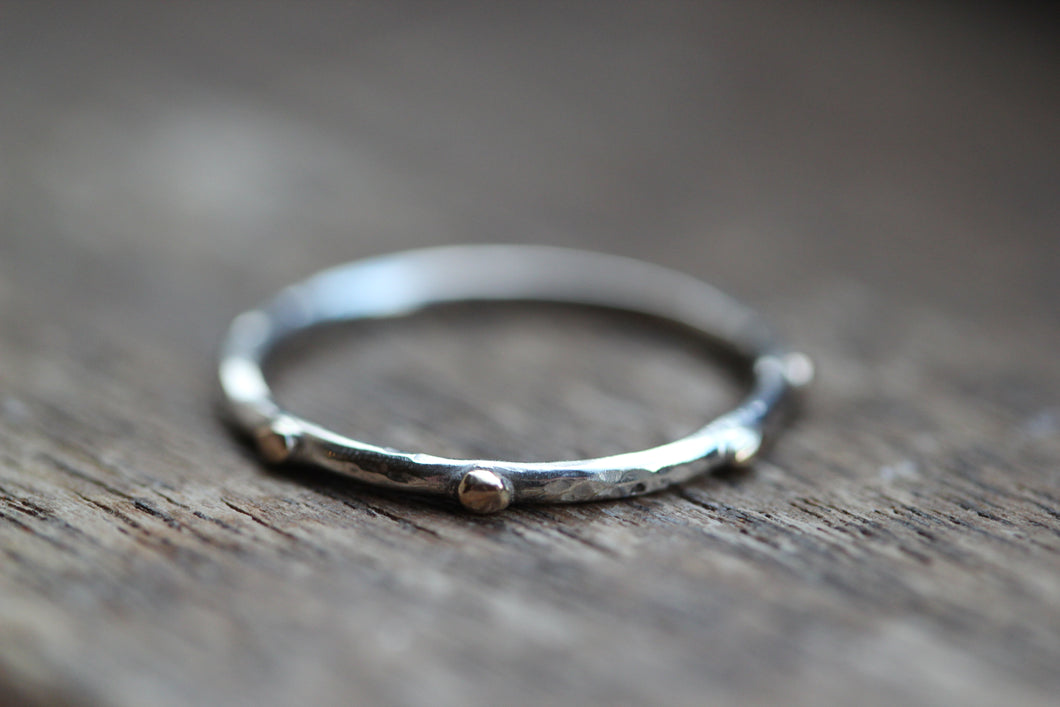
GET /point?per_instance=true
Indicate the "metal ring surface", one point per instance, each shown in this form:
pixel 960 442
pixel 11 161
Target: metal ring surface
pixel 402 283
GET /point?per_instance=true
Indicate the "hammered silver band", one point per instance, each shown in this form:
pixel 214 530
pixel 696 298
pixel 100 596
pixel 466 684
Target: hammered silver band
pixel 402 283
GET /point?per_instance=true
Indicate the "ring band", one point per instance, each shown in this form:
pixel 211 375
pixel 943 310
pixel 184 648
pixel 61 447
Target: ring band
pixel 403 283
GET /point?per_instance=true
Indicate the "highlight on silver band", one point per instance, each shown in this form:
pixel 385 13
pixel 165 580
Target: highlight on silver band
pixel 402 283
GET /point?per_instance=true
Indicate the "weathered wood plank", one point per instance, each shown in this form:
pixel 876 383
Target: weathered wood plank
pixel 882 182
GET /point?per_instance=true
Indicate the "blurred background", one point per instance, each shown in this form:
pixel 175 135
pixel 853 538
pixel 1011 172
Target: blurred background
pixel 774 147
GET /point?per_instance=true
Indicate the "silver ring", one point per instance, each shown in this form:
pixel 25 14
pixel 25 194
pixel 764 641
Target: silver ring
pixel 402 283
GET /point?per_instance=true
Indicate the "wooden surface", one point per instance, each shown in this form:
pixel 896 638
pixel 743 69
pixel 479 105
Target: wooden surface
pixel 881 179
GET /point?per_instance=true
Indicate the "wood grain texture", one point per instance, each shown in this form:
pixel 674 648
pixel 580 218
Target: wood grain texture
pixel 881 180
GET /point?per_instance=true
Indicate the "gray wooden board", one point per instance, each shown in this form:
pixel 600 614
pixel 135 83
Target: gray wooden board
pixel 880 179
